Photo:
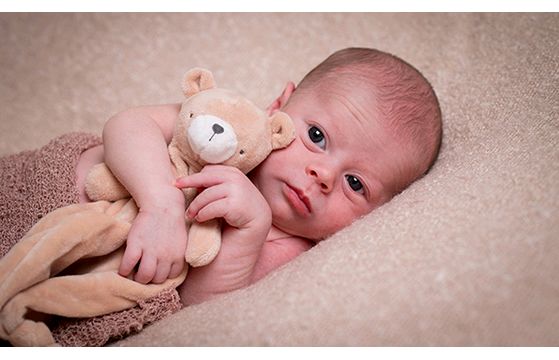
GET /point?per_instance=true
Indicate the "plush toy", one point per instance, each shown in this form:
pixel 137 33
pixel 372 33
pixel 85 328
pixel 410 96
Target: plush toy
pixel 216 126
pixel 67 264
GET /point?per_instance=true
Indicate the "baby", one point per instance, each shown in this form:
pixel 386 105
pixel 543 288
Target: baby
pixel 367 125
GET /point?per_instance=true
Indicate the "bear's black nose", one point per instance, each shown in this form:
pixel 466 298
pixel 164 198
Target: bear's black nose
pixel 218 129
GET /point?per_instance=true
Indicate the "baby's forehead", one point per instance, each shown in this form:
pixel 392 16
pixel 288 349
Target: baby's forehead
pixel 352 107
pixel 358 94
pixel 354 113
pixel 348 82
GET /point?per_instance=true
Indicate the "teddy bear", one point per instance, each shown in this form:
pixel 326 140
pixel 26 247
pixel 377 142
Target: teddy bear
pixel 67 263
pixel 215 126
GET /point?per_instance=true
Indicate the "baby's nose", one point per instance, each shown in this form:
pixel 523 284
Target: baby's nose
pixel 323 177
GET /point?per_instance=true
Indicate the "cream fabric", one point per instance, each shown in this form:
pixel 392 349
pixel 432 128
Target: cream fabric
pixel 465 256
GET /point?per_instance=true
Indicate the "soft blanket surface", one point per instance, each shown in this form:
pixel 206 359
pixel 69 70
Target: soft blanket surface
pixel 67 265
pixel 465 256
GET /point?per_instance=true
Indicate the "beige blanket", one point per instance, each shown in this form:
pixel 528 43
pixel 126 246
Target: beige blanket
pixel 465 256
pixel 67 265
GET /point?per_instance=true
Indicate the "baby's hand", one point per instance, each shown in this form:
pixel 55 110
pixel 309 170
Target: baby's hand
pixel 228 194
pixel 157 242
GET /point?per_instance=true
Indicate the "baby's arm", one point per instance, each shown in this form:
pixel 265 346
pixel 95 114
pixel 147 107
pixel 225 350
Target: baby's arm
pixel 135 143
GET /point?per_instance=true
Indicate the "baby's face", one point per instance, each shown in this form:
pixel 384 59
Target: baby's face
pixel 339 167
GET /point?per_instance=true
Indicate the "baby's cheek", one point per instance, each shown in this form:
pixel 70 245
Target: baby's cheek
pixel 338 219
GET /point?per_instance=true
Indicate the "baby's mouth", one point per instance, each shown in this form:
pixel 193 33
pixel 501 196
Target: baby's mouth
pixel 297 198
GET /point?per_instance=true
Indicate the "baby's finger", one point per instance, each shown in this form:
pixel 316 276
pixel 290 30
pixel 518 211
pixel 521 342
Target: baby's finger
pixel 176 269
pixel 206 197
pixel 129 260
pixel 146 271
pixel 215 209
pixel 161 272
pixel 198 180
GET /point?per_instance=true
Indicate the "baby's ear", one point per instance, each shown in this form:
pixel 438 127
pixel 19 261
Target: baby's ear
pixel 196 80
pixel 283 130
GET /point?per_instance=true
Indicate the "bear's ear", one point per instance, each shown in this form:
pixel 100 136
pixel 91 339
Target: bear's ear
pixel 196 80
pixel 283 130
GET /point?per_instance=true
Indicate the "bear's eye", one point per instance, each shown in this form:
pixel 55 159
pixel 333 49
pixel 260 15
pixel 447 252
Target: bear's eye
pixel 191 115
pixel 241 152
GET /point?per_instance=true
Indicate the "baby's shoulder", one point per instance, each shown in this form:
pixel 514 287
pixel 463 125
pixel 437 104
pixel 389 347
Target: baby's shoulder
pixel 278 252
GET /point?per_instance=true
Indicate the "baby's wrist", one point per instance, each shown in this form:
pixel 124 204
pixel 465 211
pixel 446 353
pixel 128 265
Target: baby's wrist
pixel 163 200
pixel 260 225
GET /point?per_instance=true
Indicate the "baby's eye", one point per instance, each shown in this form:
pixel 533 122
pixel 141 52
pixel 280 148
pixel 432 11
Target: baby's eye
pixel 317 137
pixel 354 183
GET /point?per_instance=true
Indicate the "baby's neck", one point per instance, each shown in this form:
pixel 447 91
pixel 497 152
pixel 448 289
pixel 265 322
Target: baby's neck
pixel 275 234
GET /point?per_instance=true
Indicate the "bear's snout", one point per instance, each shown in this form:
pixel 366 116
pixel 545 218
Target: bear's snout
pixel 212 138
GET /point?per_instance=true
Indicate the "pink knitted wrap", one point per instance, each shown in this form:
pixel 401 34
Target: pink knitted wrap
pixel 35 182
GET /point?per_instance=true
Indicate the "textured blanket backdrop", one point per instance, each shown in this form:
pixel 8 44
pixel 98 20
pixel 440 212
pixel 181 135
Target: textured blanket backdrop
pixel 465 256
